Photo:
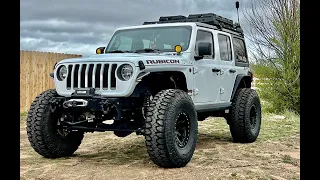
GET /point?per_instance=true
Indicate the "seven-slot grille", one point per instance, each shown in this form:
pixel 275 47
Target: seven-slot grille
pixel 100 75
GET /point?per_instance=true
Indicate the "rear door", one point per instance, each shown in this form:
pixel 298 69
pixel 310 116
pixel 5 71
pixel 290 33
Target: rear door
pixel 228 72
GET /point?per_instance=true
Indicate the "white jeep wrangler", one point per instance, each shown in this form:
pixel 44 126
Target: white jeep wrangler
pixel 158 80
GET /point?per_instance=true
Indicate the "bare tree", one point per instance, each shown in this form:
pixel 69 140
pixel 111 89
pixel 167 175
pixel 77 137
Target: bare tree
pixel 274 32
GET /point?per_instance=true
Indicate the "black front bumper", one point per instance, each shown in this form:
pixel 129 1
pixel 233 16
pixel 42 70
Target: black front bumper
pixel 93 104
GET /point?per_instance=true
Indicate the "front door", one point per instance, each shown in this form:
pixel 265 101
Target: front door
pixel 206 77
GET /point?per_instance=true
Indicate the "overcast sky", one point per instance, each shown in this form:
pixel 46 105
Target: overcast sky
pixel 80 26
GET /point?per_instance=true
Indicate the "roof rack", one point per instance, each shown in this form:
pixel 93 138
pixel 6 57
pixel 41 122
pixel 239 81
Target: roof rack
pixel 209 18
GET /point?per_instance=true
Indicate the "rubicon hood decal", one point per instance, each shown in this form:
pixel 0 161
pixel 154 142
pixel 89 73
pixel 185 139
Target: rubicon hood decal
pixel 163 61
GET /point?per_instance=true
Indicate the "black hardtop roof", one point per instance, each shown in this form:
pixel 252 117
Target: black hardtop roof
pixel 214 21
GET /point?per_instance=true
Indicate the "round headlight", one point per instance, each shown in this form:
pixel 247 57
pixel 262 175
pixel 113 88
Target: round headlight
pixel 62 72
pixel 126 72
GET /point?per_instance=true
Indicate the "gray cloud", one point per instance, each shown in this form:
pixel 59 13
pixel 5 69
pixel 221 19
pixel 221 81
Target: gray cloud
pixel 79 26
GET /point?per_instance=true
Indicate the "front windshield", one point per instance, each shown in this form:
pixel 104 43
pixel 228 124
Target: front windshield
pixel 163 39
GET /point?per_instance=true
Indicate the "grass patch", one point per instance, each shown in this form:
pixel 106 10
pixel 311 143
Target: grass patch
pixel 266 106
pixel 273 128
pixel 23 114
pixel 287 159
pixel 233 174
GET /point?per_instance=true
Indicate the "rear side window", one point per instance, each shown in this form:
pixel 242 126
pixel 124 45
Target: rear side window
pixel 240 50
pixel 225 47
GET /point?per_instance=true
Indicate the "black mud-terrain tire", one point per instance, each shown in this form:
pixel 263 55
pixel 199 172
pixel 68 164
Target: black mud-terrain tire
pixel 170 110
pixel 42 132
pixel 245 116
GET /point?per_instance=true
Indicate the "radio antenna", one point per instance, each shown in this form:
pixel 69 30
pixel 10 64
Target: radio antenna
pixel 237 6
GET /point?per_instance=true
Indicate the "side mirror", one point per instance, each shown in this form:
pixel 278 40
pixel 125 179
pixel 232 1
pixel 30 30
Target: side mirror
pixel 203 49
pixel 100 50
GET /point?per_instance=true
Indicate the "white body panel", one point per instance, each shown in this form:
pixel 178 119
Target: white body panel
pixel 206 82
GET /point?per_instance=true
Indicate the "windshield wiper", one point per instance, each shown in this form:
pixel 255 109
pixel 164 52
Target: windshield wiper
pixel 118 51
pixel 147 50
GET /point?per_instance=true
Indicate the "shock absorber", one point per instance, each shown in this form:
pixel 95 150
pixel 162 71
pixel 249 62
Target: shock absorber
pixel 146 103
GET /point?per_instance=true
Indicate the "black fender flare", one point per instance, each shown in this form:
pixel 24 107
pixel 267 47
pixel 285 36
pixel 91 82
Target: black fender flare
pixel 239 78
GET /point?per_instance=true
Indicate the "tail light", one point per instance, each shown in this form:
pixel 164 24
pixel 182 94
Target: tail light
pixel 251 75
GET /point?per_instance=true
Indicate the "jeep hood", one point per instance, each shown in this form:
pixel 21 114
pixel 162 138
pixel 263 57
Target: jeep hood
pixel 147 58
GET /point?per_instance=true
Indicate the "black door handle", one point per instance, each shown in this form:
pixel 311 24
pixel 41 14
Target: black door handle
pixel 232 71
pixel 216 70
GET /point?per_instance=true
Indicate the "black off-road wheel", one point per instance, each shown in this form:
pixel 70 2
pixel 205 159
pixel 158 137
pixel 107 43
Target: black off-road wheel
pixel 171 129
pixel 45 134
pixel 245 116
